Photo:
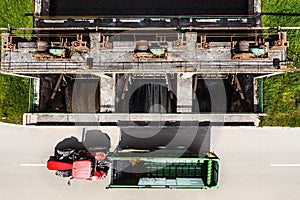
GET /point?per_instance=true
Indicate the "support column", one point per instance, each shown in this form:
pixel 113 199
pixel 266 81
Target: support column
pixel 190 53
pixel 257 12
pixel 107 93
pixel 94 49
pixel 184 92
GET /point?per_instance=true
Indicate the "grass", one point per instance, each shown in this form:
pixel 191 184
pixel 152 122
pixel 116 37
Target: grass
pixel 284 9
pixel 282 92
pixel 14 92
pixel 13 13
pixel 282 100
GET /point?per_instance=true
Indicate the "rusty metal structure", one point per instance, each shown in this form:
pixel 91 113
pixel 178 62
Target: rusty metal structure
pixel 174 58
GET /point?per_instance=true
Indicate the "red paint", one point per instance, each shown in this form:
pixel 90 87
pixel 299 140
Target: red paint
pixel 57 165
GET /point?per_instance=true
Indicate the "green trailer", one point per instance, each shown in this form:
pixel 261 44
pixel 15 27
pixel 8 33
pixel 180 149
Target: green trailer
pixel 162 170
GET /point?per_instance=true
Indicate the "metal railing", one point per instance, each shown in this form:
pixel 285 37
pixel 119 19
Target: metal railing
pixel 144 66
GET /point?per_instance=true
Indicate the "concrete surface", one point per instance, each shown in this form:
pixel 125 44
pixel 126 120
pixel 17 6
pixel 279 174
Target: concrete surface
pixel 120 58
pixel 33 118
pixel 256 163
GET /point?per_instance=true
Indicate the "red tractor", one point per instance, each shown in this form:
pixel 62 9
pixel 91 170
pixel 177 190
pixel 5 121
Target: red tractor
pixel 82 160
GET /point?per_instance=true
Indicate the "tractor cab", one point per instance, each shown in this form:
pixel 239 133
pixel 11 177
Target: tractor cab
pixel 82 160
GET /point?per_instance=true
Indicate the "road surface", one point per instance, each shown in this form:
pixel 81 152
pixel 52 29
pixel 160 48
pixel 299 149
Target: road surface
pixel 256 163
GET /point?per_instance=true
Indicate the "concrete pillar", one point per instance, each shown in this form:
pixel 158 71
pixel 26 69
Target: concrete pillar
pixel 190 54
pixel 257 7
pixel 94 48
pixel 184 92
pixel 107 93
pixel 191 39
pixel 38 7
pixel 257 12
pixel 5 55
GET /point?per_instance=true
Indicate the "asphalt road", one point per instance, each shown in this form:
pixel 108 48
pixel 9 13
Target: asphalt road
pixel 256 163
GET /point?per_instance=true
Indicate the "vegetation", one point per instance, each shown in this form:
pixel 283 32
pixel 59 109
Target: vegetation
pixel 15 13
pixel 282 100
pixel 14 94
pixel 282 92
pixel 284 13
pixel 14 90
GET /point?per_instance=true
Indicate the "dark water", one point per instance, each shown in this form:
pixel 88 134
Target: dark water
pixel 148 7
